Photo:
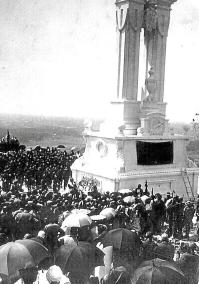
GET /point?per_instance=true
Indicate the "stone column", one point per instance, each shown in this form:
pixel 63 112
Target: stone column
pixel 125 107
pixel 129 17
pixel 157 18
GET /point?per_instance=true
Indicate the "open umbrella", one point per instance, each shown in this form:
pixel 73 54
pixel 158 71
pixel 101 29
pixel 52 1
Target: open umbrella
pixel 145 198
pixel 36 249
pixel 76 220
pixel 83 211
pixel 122 239
pixel 109 213
pixel 129 199
pixel 98 217
pixel 82 257
pixel 158 271
pixel 20 255
pixel 61 146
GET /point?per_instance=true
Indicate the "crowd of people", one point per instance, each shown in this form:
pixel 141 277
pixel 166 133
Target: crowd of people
pixel 42 168
pixel 9 143
pixel 38 192
pixel 26 212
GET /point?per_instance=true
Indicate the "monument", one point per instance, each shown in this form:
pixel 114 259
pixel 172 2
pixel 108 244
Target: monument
pixel 134 144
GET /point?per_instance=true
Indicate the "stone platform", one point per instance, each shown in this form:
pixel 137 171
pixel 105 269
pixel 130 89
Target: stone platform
pixel 113 161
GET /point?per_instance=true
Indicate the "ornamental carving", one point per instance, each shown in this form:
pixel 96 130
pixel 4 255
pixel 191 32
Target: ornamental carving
pixel 150 16
pixel 156 126
pixel 102 148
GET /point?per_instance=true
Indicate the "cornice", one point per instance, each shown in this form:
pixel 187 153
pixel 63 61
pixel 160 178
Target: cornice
pixel 157 173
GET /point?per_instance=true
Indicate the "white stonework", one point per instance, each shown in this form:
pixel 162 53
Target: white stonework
pixel 113 161
pixel 111 151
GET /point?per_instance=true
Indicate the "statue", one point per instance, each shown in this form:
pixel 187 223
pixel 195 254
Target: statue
pixel 156 24
pixel 151 86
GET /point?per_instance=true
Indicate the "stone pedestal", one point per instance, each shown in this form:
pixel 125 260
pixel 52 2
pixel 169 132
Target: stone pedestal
pixel 113 162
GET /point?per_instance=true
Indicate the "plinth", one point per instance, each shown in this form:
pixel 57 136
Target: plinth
pixel 115 163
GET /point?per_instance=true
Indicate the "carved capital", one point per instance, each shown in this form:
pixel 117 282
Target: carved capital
pixel 165 4
pixel 129 12
pixel 135 19
pixel 150 16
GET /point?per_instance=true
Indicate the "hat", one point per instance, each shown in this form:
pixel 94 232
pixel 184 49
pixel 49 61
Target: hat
pixel 41 234
pixel 54 274
pixel 27 236
pixel 164 237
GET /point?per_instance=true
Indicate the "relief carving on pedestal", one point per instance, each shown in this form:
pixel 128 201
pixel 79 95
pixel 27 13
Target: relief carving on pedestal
pixel 153 124
pixel 102 148
pixel 156 125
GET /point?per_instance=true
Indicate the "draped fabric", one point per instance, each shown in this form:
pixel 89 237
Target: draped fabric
pixel 121 17
pixel 132 17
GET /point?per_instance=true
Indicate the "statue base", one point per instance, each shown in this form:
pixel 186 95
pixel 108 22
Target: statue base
pixel 119 162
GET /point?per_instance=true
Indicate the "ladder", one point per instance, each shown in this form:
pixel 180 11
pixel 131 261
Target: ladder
pixel 188 186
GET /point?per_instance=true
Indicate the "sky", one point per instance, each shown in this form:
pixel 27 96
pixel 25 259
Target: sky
pixel 58 58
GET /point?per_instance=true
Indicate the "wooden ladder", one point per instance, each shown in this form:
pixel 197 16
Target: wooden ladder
pixel 188 186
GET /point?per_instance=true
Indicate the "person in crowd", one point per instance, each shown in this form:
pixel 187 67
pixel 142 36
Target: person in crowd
pixel 178 218
pixel 29 275
pixel 40 238
pixel 168 197
pixel 139 191
pixel 52 233
pixel 37 192
pixel 188 216
pixel 170 214
pixel 148 247
pixel 54 275
pixel 164 250
pixel 189 263
pixel 157 214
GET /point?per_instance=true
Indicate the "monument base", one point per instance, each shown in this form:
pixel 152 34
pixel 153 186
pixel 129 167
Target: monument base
pixel 118 163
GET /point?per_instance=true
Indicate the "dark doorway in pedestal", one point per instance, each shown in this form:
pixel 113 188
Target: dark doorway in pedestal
pixel 154 153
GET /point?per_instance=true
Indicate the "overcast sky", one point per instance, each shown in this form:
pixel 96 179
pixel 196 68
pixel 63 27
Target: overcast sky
pixel 58 57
